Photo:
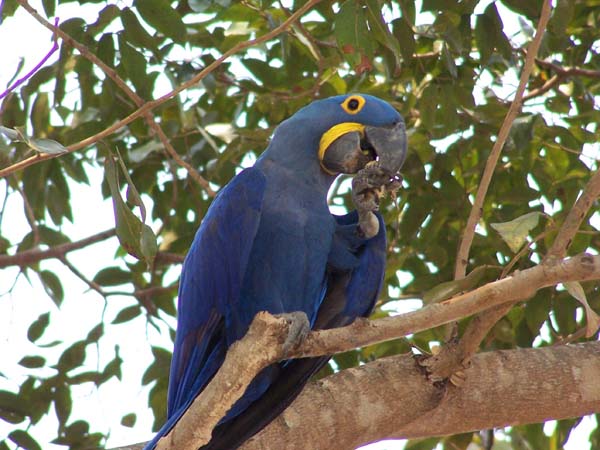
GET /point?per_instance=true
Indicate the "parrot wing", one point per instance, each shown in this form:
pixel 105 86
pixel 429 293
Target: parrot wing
pixel 211 279
pixel 353 285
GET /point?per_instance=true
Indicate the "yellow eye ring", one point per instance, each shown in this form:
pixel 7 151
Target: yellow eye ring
pixel 353 104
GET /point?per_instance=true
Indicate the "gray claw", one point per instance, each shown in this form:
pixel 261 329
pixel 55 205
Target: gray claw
pixel 298 330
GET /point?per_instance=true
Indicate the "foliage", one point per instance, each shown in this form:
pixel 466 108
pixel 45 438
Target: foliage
pixel 448 67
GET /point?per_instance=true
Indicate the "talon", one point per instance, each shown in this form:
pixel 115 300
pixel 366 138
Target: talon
pixel 299 327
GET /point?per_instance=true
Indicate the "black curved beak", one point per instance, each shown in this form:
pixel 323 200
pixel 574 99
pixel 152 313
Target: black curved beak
pixel 352 151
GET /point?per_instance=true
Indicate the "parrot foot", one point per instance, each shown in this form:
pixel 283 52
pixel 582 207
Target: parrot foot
pixel 366 191
pixel 368 186
pixel 299 327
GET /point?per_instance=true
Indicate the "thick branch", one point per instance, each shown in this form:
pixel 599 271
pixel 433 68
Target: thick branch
pixel 263 346
pixel 462 257
pixel 32 256
pixel 390 398
pixel 263 343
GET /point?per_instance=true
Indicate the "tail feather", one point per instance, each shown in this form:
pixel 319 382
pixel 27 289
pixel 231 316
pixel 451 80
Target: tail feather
pixel 289 383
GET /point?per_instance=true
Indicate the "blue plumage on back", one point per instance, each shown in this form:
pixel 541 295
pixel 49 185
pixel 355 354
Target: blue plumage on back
pixel 268 242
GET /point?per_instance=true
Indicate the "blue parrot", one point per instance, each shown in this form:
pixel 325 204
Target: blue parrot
pixel 269 243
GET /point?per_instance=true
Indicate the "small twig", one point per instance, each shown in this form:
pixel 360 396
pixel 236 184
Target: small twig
pixel 556 79
pixel 148 106
pixel 92 284
pixel 168 258
pixel 522 252
pixel 462 257
pixel 144 294
pixel 37 67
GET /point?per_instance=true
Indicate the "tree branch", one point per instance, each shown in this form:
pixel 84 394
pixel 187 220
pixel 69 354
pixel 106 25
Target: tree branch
pixel 520 286
pixel 578 212
pixel 264 342
pixel 262 345
pixel 462 257
pixel 502 388
pixel 148 106
pixel 32 256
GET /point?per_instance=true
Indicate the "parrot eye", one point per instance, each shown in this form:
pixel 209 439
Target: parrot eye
pixel 353 104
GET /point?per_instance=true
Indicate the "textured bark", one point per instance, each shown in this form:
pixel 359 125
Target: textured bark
pixel 391 398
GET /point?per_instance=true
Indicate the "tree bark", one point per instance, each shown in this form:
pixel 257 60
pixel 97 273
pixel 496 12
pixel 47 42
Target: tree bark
pixel 391 398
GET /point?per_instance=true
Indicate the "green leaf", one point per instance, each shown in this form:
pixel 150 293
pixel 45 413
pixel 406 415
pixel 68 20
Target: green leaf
pixel 72 357
pixel 12 409
pixel 112 369
pixel 24 440
pixel 52 286
pixel 112 276
pixel 593 320
pixel 37 328
pixel 406 38
pixel 515 232
pixel 133 235
pixel 161 15
pixel 32 362
pixel 489 35
pixel 134 32
pixel 148 245
pixel 95 334
pixel 135 66
pixel 12 134
pixel 380 29
pixel 128 420
pixel 47 146
pixel 49 7
pixel 127 314
pixel 353 36
pixel 63 404
pixel 40 114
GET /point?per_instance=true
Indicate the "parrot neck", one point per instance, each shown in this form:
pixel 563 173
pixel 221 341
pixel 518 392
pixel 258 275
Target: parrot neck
pixel 295 179
pixel 293 155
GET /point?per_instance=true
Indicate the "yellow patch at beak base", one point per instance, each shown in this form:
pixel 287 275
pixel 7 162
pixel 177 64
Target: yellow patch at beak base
pixel 335 132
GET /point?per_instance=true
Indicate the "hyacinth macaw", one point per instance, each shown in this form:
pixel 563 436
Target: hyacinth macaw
pixel 269 243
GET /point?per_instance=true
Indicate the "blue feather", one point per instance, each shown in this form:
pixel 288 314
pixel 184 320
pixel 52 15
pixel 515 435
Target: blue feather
pixel 269 243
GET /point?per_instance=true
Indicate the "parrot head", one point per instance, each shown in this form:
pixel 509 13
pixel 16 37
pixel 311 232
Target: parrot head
pixel 342 134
